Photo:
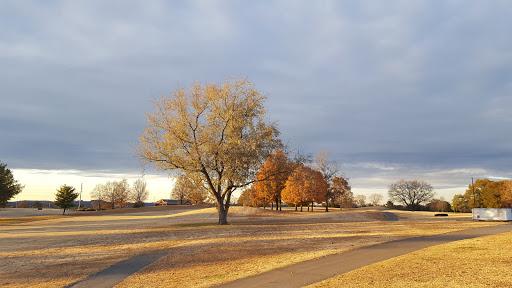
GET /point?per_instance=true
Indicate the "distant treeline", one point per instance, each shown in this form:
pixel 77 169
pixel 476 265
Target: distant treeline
pixel 49 204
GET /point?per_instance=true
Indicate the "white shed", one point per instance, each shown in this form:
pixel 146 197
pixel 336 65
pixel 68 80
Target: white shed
pixel 497 214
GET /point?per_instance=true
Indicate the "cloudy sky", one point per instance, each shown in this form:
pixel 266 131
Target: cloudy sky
pixel 392 89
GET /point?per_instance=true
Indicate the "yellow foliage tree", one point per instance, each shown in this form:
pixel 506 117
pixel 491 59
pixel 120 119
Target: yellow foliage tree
pixel 485 193
pixel 216 133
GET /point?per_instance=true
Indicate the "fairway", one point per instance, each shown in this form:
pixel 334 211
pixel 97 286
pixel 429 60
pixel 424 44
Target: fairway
pixel 60 251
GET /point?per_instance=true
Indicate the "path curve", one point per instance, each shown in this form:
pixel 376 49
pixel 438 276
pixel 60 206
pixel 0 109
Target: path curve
pixel 312 271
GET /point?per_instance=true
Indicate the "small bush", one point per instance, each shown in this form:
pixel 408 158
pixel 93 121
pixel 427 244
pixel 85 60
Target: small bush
pixel 85 208
pixel 138 204
pixel 106 206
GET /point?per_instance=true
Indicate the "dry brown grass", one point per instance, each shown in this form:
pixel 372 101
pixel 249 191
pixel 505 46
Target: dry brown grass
pixel 4 221
pixel 57 252
pixel 480 262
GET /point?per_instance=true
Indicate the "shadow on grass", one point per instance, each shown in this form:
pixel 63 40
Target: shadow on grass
pixel 197 225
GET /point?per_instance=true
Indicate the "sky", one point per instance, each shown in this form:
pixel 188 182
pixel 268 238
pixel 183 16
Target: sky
pixel 392 89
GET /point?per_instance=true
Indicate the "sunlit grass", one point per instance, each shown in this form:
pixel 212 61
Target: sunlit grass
pixel 39 253
pixel 28 219
pixel 479 262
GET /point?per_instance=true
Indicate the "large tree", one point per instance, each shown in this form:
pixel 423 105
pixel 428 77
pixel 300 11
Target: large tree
pixel 139 192
pixel 460 203
pixel 182 188
pixel 99 193
pixel 376 198
pixel 65 197
pixel 8 186
pixel 110 193
pixel 411 193
pixel 122 192
pixel 218 133
pixel 342 192
pixel 360 200
pixel 198 193
pixel 329 170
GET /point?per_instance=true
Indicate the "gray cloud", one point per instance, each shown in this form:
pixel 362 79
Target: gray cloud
pixel 418 84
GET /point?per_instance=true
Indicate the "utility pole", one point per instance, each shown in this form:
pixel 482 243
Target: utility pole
pixel 80 200
pixel 473 185
pixel 99 201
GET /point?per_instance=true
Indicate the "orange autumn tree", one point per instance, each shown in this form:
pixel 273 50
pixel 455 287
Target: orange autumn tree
pixel 271 180
pixel 304 186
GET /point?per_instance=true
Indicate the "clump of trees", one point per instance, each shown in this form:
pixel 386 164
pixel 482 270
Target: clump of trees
pixel 65 197
pixel 9 187
pixel 305 185
pixel 375 199
pixel 271 179
pixel 411 193
pixel 280 179
pixel 484 193
pixel 37 204
pixel 119 193
pixel 186 189
pixel 439 205
pixel 360 200
pixel 219 137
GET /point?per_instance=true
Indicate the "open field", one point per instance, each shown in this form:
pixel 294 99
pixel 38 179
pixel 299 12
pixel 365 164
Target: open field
pixel 59 251
pixel 28 212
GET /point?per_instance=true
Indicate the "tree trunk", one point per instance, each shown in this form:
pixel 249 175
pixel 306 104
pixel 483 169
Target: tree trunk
pixel 301 205
pixel 326 205
pixel 280 205
pixel 311 206
pixel 272 203
pixel 223 215
pixel 296 207
pixel 64 211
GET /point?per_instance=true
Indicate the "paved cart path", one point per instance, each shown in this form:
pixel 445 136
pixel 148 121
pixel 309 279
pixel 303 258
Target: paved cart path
pixel 116 273
pixel 309 272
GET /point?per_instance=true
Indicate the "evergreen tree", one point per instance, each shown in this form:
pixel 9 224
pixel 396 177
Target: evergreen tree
pixel 65 197
pixel 8 186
